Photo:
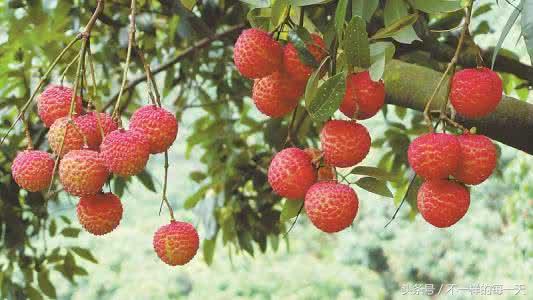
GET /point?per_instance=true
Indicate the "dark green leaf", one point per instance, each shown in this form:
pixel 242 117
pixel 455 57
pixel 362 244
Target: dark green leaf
pixel 197 176
pixel 45 285
pixel 189 4
pixel 328 98
pixel 375 186
pixel 340 17
pixel 395 27
pixel 394 10
pixel 364 8
pixel 300 38
pixel 290 209
pixel 32 293
pixel 278 12
pixel 52 228
pixel 146 179
pixel 312 83
pixel 196 197
pixel 307 2
pixel 84 253
pixel 437 6
pixel 356 44
pixel 70 232
pixel 209 250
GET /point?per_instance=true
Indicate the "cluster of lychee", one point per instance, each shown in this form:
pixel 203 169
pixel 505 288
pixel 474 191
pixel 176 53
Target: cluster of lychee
pixel 92 146
pixel 280 77
pixel 447 162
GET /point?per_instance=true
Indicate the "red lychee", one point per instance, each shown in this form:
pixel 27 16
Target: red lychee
pixel 331 206
pixel 294 66
pixel 476 92
pixel 345 143
pixel 442 202
pixel 125 152
pixel 291 173
pixel 176 243
pixel 54 103
pixel 434 155
pixel 158 125
pixel 32 170
pixel 82 172
pixel 477 160
pixel 364 97
pixel 256 54
pixel 271 95
pixel 93 125
pixel 325 172
pixel 99 214
pixel 73 138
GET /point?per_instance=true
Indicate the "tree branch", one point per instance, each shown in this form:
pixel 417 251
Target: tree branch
pixel 409 86
pixel 189 51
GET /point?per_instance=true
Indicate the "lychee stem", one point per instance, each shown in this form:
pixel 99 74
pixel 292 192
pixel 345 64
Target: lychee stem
pixel 64 73
pixel 164 198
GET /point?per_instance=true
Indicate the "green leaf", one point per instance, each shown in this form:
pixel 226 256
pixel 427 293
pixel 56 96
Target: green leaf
pixel 197 176
pixel 505 31
pixel 32 293
pixel 300 38
pixel 189 4
pixel 45 285
pixel 437 6
pixel 196 197
pixel 380 54
pixel 209 250
pixel 257 3
pixel 364 8
pixel 312 83
pixel 527 26
pixel 290 209
pixel 375 186
pixel 395 10
pixel 146 179
pixel 70 232
pixel 84 253
pixel 355 44
pixel 278 12
pixel 395 27
pixel 52 228
pixel 307 2
pixel 340 17
pixel 328 98
pixel 374 172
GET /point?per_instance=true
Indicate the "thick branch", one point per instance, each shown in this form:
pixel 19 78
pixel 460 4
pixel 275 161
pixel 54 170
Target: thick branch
pixel 409 85
pixel 199 45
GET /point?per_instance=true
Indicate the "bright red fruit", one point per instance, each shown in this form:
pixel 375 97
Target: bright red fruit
pixel 345 143
pixel 331 206
pixel 291 173
pixel 125 152
pixel 478 159
pixel 273 97
pixel 256 54
pixel 73 139
pixel 54 103
pixel 82 172
pixel 99 214
pixel 442 202
pixel 93 125
pixel 294 66
pixel 434 155
pixel 32 170
pixel 476 92
pixel 176 243
pixel 364 97
pixel 157 124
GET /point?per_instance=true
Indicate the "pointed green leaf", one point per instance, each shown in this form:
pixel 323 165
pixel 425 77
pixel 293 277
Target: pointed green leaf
pixel 290 209
pixel 278 12
pixel 364 8
pixel 312 83
pixel 437 6
pixel 374 172
pixel 45 285
pixel 70 232
pixel 328 98
pixel 380 54
pixel 300 38
pixel 355 44
pixel 146 179
pixel 375 186
pixel 505 31
pixel 394 10
pixel 395 27
pixel 195 198
pixel 84 253
pixel 209 250
pixel 340 17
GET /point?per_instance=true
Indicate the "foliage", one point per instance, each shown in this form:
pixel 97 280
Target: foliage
pixel 233 142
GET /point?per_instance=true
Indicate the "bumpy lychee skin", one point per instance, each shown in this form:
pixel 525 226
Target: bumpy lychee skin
pixel 99 214
pixel 158 125
pixel 442 202
pixel 476 92
pixel 54 103
pixel 345 143
pixel 434 155
pixel 82 172
pixel 256 54
pixel 271 97
pixel 73 137
pixel 93 125
pixel 32 170
pixel 331 206
pixel 176 243
pixel 294 66
pixel 125 152
pixel 291 173
pixel 364 97
pixel 478 159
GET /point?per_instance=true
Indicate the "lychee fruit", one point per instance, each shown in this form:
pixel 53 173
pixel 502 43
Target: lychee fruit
pixel 73 137
pixel 158 125
pixel 54 103
pixel 82 172
pixel 364 97
pixel 291 173
pixel 331 206
pixel 345 143
pixel 477 160
pixel 32 170
pixel 293 64
pixel 257 54
pixel 125 152
pixel 442 202
pixel 434 155
pixel 176 243
pixel 272 97
pixel 476 92
pixel 99 214
pixel 93 125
